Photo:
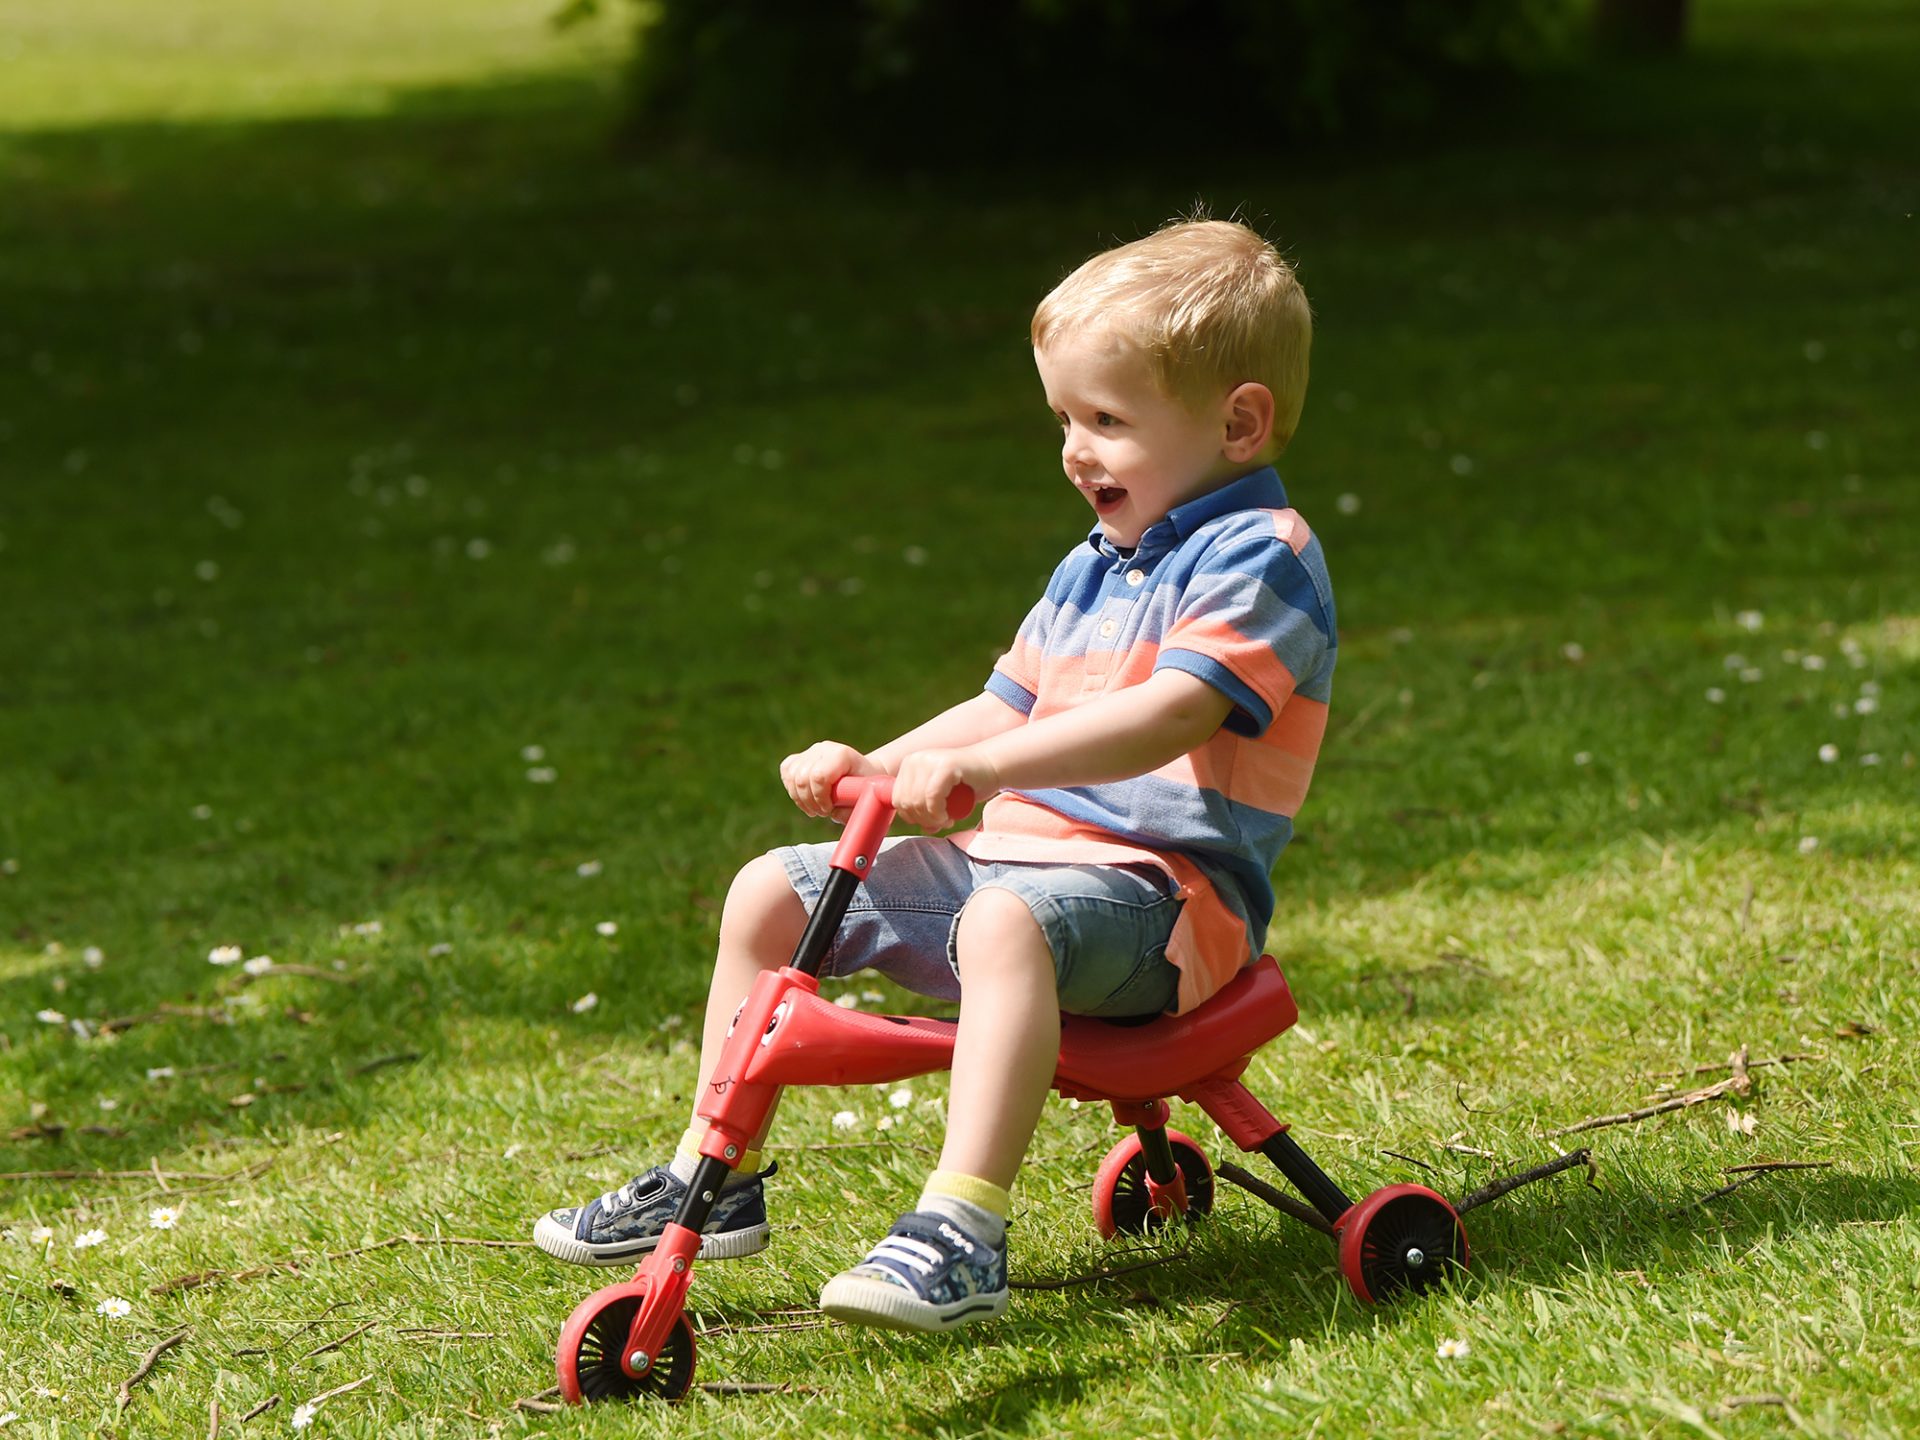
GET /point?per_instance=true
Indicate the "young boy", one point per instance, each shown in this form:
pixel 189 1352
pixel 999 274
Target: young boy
pixel 1148 739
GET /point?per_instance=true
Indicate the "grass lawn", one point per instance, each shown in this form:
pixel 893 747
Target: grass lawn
pixel 368 419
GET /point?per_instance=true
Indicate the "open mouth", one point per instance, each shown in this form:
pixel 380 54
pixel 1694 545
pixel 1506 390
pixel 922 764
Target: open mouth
pixel 1107 497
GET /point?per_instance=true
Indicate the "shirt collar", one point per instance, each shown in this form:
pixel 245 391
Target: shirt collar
pixel 1260 490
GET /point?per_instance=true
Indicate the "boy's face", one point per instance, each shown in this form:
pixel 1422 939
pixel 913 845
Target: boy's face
pixel 1132 452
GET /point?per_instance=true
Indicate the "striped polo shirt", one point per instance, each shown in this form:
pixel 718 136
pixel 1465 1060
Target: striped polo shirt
pixel 1230 587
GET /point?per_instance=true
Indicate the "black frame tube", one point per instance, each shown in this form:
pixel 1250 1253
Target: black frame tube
pixel 817 938
pixel 1157 1151
pixel 703 1193
pixel 1306 1177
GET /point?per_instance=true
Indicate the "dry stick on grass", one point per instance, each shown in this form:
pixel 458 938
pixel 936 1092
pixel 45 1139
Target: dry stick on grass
pixel 541 1404
pixel 315 1402
pixel 1750 1173
pixel 146 1364
pixel 213 1420
pixel 405 1057
pixel 756 1387
pixel 1093 1276
pixel 1787 1059
pixel 200 1278
pixel 261 1409
pixel 336 1344
pixel 1495 1189
pixel 1738 1083
pixel 247 1173
pixel 1280 1200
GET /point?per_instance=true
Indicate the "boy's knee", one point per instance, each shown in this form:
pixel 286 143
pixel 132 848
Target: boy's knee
pixel 996 927
pixel 761 903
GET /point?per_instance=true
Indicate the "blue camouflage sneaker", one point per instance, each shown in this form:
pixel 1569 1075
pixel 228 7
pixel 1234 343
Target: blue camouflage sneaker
pixel 927 1275
pixel 623 1225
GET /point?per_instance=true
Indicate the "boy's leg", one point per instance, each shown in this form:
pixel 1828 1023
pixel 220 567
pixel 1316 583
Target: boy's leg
pixel 945 1264
pixel 759 927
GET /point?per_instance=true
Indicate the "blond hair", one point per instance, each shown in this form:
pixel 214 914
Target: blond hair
pixel 1209 304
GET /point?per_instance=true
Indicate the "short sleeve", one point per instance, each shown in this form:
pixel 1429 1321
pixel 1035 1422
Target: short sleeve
pixel 1252 623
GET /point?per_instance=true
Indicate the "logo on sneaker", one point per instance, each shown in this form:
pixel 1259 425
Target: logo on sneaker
pixel 956 1237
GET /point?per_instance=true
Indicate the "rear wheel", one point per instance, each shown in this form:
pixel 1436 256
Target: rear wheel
pixel 1122 1201
pixel 589 1354
pixel 1402 1240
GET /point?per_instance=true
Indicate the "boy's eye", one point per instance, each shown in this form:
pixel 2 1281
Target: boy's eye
pixel 1104 420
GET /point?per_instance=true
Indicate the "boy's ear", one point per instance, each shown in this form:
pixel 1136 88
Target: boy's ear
pixel 1248 412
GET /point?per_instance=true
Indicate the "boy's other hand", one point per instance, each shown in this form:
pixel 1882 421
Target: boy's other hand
pixel 927 777
pixel 811 775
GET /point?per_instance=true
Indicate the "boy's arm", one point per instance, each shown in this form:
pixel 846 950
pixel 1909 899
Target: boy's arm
pixel 811 775
pixel 1127 733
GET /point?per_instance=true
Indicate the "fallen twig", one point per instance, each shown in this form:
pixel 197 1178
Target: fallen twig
pixel 405 1057
pixel 1750 1173
pixel 1280 1200
pixel 216 1178
pixel 314 1404
pixel 541 1404
pixel 1738 1083
pixel 336 1344
pixel 261 1409
pixel 1093 1276
pixel 213 1420
pixel 417 1332
pixel 858 1145
pixel 146 1364
pixel 1410 1160
pixel 1493 1190
pixel 201 1278
pixel 756 1387
pixel 1791 1058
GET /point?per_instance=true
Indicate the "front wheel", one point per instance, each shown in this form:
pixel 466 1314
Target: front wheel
pixel 1402 1240
pixel 1122 1202
pixel 588 1357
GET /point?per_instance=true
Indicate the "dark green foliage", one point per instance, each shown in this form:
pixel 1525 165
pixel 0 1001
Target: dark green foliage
pixel 1074 83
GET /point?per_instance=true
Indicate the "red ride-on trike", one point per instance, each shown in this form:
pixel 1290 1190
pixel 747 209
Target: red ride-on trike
pixel 633 1338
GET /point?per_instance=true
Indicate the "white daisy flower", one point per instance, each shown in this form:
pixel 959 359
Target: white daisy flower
pixel 1752 675
pixel 368 927
pixel 107 1102
pixel 163 1217
pixel 901 1098
pixel 1809 844
pixel 847 1002
pixel 533 754
pixel 113 1308
pixel 479 548
pixel 585 1003
pixel 607 927
pixel 1452 1350
pixel 303 1415
pixel 511 1151
pixel 543 775
pixel 885 1122
pixel 1870 687
pixel 1582 757
pixel 1829 754
pixel 1869 759
pixel 41 1235
pixel 1347 504
pixel 587 869
pixel 49 1017
pixel 87 1239
pixel 224 955
pixel 1715 695
pixel 1574 651
pixel 872 997
pixel 201 812
pixel 93 957
pixel 842 1120
pixel 671 1022
pixel 9 866
pixel 1750 620
pixel 439 949
pixel 258 965
pixel 1813 662
pixel 1865 705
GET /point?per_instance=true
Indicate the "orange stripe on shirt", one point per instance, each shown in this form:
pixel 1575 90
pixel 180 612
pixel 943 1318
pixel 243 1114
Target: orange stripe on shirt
pixel 1253 661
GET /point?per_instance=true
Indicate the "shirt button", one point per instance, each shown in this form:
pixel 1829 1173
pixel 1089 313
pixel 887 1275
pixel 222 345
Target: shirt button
pixel 1107 629
pixel 1135 577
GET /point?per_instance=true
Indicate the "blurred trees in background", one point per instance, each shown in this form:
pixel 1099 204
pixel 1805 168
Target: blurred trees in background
pixel 1081 83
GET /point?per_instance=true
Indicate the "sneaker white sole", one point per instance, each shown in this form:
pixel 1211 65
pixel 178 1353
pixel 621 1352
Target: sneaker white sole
pixel 558 1242
pixel 861 1301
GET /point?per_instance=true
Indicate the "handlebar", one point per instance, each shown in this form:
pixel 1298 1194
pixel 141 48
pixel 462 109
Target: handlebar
pixel 849 789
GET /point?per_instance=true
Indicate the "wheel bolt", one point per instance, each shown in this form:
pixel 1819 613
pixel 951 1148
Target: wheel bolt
pixel 1416 1257
pixel 638 1360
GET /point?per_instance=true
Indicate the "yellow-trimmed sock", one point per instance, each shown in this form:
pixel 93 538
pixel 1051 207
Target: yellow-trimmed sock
pixel 687 1157
pixel 979 1206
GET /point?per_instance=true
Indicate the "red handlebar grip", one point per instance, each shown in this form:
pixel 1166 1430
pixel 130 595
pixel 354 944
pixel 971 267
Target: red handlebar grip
pixel 849 789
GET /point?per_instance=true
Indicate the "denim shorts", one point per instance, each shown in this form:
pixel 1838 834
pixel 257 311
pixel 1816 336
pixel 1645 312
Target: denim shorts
pixel 1107 925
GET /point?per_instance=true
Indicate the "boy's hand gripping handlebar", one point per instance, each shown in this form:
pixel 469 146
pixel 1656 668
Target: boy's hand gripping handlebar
pixel 871 797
